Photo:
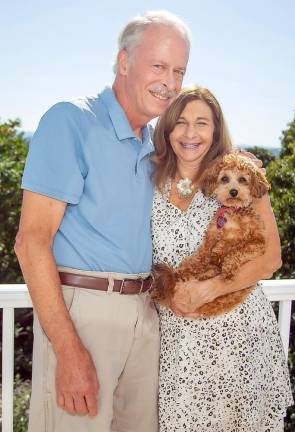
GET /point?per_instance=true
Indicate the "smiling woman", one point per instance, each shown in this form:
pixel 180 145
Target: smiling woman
pixel 224 372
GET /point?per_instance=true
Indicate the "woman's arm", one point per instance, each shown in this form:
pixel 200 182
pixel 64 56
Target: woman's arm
pixel 193 294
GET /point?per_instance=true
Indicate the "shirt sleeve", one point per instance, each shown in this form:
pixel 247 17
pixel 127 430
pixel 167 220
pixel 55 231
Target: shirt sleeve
pixel 55 164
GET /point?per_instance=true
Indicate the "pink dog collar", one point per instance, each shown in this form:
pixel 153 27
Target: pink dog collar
pixel 220 215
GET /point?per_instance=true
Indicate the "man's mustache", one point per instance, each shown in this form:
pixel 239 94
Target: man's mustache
pixel 163 91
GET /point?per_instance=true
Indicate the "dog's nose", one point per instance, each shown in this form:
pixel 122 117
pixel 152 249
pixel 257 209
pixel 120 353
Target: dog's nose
pixel 233 193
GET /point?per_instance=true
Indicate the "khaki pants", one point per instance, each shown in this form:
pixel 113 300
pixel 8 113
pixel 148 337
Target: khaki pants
pixel 121 332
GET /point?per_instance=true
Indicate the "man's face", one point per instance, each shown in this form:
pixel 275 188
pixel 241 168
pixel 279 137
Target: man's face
pixel 154 72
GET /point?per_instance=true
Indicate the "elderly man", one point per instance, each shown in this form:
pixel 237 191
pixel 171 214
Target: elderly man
pixel 84 241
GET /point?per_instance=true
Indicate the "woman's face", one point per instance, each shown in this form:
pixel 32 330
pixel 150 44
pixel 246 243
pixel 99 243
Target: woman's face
pixel 192 135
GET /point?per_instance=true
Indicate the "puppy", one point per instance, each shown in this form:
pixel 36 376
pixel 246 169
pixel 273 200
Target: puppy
pixel 234 236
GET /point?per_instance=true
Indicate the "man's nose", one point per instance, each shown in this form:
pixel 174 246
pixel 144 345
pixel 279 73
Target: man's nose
pixel 169 80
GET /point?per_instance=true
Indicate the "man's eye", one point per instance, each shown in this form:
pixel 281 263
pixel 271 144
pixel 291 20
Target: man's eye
pixel 158 66
pixel 242 180
pixel 179 72
pixel 224 179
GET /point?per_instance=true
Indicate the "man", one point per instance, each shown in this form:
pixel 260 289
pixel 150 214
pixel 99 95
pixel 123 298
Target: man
pixel 84 241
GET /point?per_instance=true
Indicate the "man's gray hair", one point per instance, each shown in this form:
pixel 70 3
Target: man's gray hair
pixel 132 33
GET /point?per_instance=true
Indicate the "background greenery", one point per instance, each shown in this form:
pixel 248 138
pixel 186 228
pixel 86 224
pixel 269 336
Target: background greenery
pixel 13 150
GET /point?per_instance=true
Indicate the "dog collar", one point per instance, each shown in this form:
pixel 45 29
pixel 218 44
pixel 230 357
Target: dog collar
pixel 220 215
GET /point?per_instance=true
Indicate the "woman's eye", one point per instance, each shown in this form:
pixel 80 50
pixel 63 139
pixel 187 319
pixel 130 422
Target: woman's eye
pixel 224 179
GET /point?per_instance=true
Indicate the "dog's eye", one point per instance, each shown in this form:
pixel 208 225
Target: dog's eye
pixel 242 180
pixel 224 179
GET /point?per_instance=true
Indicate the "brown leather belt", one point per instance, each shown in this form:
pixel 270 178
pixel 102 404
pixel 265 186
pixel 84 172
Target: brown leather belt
pixel 122 286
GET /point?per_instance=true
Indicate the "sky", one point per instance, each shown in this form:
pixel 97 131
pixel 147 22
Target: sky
pixel 242 50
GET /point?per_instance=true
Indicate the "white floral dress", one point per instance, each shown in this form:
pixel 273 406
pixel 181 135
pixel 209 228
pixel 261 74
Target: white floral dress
pixel 223 374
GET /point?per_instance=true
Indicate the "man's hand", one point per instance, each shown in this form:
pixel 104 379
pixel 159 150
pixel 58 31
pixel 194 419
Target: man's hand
pixel 77 383
pixel 191 295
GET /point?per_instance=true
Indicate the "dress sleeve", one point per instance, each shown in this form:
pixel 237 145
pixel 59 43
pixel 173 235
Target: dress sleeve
pixel 55 164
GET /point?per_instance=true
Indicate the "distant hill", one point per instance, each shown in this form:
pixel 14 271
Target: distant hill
pixel 274 150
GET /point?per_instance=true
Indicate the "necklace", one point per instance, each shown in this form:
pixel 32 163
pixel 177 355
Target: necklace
pixel 184 187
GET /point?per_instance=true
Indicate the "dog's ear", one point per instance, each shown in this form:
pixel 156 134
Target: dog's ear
pixel 208 180
pixel 259 184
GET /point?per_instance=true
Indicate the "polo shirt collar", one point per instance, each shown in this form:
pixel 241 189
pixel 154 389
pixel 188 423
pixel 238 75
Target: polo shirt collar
pixel 121 124
pixel 148 146
pixel 118 117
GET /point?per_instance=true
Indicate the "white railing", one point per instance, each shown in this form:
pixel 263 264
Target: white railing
pixel 17 296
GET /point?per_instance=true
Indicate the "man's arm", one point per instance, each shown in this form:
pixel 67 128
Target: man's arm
pixel 193 294
pixel 76 379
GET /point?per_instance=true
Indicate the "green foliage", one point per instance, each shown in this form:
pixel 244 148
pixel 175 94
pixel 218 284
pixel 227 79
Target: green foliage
pixel 21 400
pixel 13 150
pixel 288 140
pixel 22 391
pixel 281 173
pixel 23 343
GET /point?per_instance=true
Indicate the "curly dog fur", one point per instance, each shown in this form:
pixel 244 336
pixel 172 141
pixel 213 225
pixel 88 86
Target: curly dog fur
pixel 234 236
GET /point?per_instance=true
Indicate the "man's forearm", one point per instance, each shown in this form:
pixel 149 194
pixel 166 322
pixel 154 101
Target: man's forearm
pixel 41 275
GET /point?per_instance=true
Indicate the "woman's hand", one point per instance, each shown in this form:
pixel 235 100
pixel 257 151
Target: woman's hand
pixel 191 295
pixel 258 162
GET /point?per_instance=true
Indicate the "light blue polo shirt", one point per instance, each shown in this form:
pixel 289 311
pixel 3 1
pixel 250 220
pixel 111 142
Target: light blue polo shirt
pixel 85 153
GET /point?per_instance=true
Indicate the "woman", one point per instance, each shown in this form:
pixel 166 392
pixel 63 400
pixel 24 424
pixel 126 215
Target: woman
pixel 222 374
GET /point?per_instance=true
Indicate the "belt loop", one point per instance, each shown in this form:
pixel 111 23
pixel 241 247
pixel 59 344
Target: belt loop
pixel 141 286
pixel 110 285
pixel 122 286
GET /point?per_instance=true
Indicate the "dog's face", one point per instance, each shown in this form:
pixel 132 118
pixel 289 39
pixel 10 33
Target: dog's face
pixel 233 188
pixel 234 180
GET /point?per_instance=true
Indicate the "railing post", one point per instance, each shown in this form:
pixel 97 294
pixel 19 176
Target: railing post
pixel 285 322
pixel 7 368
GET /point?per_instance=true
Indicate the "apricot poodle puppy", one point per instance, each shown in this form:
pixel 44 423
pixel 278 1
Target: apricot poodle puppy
pixel 234 236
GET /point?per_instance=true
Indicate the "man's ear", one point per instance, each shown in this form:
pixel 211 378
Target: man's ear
pixel 122 62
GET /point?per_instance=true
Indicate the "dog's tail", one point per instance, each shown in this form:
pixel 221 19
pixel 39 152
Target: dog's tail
pixel 164 282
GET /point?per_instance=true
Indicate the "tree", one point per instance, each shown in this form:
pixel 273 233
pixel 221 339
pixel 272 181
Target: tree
pixel 281 173
pixel 13 150
pixel 288 140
